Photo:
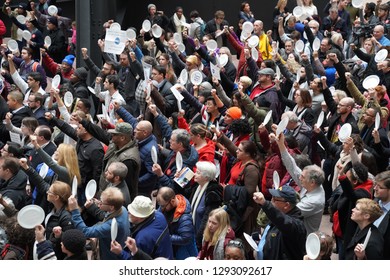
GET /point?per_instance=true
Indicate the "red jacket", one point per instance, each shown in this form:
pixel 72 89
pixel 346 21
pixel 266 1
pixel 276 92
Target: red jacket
pixel 3 30
pixel 54 67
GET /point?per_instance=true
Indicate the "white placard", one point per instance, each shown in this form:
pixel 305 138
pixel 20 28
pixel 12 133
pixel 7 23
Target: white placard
pixel 115 41
pixel 15 137
pixel 215 71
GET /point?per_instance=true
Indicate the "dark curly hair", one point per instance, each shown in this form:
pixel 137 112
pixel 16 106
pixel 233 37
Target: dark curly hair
pixel 240 127
pixel 18 236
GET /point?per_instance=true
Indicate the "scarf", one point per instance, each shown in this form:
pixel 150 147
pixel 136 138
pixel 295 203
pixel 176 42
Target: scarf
pixel 196 199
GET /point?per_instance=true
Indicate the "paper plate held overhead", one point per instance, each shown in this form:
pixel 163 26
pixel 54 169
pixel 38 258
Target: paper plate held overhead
pixel 183 77
pixel 299 46
pixel 91 89
pixel 255 54
pixel 250 241
pixel 381 55
pixel 74 186
pixel 267 117
pixel 115 26
pixel 68 99
pixel 12 45
pixel 211 45
pixel 357 3
pixel 181 47
pixel 282 126
pixel 156 31
pixel 130 34
pixel 313 246
pixel 146 25
pixel 90 189
pixel 320 119
pixel 43 171
pixel 316 44
pixel 30 216
pixel 370 81
pixel 153 152
pixel 223 60
pixel 377 121
pixel 56 81
pixel 367 239
pixel 297 11
pixel 26 35
pixel 253 41
pixel 179 161
pixel 276 179
pixel 21 18
pixel 345 132
pixel 196 77
pixel 177 38
pixel 247 27
pixel 47 41
pixel 52 10
pixel 114 229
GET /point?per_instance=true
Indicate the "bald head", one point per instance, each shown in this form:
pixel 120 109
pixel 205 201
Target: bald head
pixel 143 130
pixel 378 32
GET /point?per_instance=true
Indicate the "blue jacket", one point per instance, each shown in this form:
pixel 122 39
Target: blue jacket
pixel 147 179
pixel 103 232
pixel 146 235
pixel 182 230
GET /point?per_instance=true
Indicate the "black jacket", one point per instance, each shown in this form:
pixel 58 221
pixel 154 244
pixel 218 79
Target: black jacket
pixel 15 189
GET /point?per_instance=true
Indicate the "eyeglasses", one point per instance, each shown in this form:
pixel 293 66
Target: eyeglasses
pixel 50 192
pixel 236 243
pixel 99 202
pixel 379 186
pixel 365 113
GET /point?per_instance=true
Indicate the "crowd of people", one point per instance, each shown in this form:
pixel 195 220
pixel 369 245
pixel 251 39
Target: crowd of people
pixel 196 154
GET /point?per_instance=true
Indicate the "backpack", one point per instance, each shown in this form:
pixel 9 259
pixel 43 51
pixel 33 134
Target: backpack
pixel 201 28
pixel 235 200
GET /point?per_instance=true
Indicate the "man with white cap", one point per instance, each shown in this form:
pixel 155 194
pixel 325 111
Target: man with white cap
pixel 149 229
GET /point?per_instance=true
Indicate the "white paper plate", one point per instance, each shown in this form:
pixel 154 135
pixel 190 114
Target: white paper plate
pixel 316 44
pixel 247 27
pixel 298 75
pixel 223 60
pixel 30 216
pixel 181 47
pixel 52 10
pixel 255 54
pixel 56 81
pixel 377 121
pixel 313 246
pixel 47 41
pixel 278 74
pixel 211 45
pixel 282 126
pixel 26 35
pixel 250 241
pixel 130 34
pixel 68 99
pixel 370 81
pixel 298 11
pixel 253 41
pixel 114 229
pixel 299 46
pixel 74 186
pixel 183 77
pixel 179 161
pixel 367 239
pixel 196 77
pixel 115 26
pixel 146 25
pixel 90 189
pixel 320 119
pixel 153 153
pixel 43 171
pixel 267 117
pixel 276 179
pixel 21 18
pixel 345 132
pixel 177 38
pixel 357 3
pixel 244 36
pixel 381 55
pixel 12 45
pixel 156 31
pixel 91 89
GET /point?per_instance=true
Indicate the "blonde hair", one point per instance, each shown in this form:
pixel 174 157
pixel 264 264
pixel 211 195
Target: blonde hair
pixel 280 2
pixel 245 80
pixel 335 38
pixel 62 190
pixel 370 207
pixel 67 157
pixel 223 219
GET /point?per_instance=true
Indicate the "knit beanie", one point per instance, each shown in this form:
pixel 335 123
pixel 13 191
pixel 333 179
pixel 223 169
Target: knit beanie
pixel 234 112
pixel 81 73
pixel 69 59
pixel 150 6
pixel 74 241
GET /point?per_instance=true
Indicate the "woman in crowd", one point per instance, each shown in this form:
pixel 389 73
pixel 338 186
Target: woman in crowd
pixel 217 235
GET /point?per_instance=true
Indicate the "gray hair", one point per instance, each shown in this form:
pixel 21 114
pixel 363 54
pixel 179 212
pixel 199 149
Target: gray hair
pixel 315 174
pixel 292 117
pixel 182 136
pixel 119 169
pixel 207 169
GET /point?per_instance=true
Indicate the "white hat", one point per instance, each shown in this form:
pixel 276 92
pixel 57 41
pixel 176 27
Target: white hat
pixel 141 207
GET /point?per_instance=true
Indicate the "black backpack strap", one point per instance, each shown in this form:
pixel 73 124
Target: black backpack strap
pixel 159 241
